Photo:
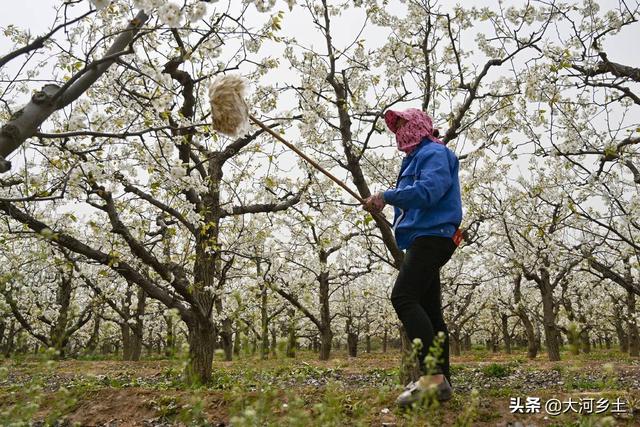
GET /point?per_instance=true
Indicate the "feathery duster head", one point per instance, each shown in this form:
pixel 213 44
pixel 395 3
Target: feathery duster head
pixel 228 108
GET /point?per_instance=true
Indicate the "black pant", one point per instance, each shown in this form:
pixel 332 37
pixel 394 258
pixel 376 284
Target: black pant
pixel 416 295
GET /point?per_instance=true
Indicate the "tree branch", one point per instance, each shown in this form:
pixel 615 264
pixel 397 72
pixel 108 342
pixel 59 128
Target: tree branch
pixel 119 266
pixel 38 43
pixel 26 121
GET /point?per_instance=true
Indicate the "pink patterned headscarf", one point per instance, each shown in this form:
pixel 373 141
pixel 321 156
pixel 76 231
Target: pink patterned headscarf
pixel 419 125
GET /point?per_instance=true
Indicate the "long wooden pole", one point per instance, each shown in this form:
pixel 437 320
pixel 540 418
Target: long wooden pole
pixel 313 163
pixel 307 158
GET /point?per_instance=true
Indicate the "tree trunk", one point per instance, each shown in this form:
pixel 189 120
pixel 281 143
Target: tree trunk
pixel 2 329
pixel 209 273
pixel 236 343
pixel 549 320
pixel 454 336
pixel 92 344
pixel 518 340
pixel 505 333
pixel 326 338
pixel 58 334
pixel 244 344
pixel 8 341
pixel 151 343
pixel 225 337
pixel 170 340
pixel 573 336
pixel 291 341
pixel 623 340
pixel 264 317
pixel 125 331
pixel 274 340
pixel 384 340
pixel 367 338
pixel 532 344
pixel 201 348
pixel 466 343
pixel 538 336
pixel 138 327
pixel 132 328
pixel 352 344
pixel 352 339
pixel 585 340
pixel 632 326
pixel 254 345
pixel 326 334
pixel 21 343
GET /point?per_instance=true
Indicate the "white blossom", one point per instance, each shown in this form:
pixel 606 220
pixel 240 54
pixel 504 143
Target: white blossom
pixel 76 122
pixel 264 5
pixel 170 14
pixel 142 5
pixel 178 171
pixel 197 11
pixel 100 4
pixel 163 102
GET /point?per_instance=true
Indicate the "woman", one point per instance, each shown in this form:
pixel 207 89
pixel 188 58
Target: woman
pixel 428 212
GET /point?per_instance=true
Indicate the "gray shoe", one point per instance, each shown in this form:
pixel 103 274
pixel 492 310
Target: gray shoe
pixel 415 390
pixel 444 391
pixel 411 394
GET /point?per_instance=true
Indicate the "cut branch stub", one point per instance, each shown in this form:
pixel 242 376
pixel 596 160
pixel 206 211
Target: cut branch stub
pixel 27 121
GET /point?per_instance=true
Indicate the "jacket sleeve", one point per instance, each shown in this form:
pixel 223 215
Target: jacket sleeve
pixel 434 179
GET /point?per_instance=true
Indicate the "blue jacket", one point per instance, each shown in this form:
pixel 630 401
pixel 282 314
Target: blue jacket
pixel 426 199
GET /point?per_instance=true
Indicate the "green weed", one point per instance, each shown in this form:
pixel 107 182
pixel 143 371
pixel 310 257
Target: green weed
pixel 496 370
pixel 470 410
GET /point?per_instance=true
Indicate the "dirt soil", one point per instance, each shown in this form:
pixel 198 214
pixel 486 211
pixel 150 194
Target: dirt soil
pixel 150 393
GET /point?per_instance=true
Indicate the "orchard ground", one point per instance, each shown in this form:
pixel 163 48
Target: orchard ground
pixel 303 391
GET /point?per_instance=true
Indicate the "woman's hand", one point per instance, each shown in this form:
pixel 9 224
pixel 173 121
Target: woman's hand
pixel 374 203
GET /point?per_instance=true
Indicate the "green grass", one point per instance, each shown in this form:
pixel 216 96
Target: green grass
pixel 502 392
pixel 584 383
pixel 292 392
pixel 496 370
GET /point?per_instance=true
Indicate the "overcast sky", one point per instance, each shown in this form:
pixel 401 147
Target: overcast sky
pixel 38 16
